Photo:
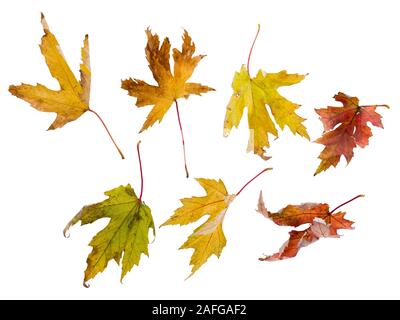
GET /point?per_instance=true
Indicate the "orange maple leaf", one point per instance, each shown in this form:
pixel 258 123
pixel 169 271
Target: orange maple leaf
pixel 171 85
pixel 323 223
pixel 345 128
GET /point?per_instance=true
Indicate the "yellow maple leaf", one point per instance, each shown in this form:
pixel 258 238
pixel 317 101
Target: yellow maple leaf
pixel 72 100
pixel 170 86
pixel 255 93
pixel 208 239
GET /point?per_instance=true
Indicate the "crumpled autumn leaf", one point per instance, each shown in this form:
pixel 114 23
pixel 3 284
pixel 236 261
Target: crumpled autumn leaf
pixel 208 238
pixel 323 223
pixel 126 235
pixel 345 128
pixel 255 93
pixel 72 100
pixel 171 86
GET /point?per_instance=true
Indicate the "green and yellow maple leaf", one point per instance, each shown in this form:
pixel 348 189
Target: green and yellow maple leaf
pixel 126 235
pixel 255 93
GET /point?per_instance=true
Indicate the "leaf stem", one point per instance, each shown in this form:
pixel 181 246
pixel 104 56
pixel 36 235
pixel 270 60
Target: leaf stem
pixel 251 49
pixel 248 182
pixel 344 203
pixel 183 139
pixel 377 106
pixel 109 134
pixel 141 170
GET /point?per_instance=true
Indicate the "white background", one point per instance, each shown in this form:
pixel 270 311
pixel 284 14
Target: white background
pixel 46 177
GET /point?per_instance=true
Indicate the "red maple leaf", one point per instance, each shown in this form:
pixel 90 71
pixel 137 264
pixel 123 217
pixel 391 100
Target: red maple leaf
pixel 345 128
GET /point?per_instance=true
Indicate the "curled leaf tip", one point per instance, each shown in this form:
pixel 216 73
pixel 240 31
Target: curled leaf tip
pixel 74 220
pixel 154 235
pixel 226 132
pixel 86 285
pixel 66 229
pixel 66 233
